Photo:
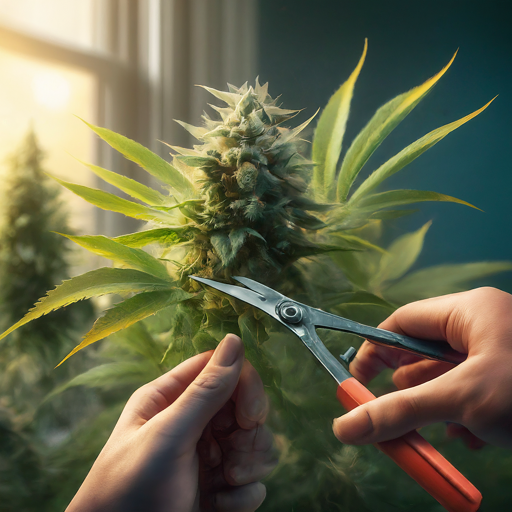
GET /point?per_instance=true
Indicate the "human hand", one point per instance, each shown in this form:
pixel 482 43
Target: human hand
pixel 192 440
pixel 476 394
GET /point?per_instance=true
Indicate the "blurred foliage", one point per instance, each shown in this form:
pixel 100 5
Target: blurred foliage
pixel 32 260
pixel 246 201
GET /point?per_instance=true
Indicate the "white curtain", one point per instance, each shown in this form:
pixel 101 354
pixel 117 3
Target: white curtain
pixel 166 47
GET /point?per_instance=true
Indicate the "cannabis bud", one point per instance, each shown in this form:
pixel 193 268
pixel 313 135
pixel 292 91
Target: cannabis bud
pixel 254 212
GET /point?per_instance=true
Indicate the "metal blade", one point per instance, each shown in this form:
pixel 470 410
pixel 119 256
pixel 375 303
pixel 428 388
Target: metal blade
pixel 258 300
pixel 267 292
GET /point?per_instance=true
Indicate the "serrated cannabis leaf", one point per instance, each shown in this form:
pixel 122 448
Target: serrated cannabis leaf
pixel 120 253
pixel 146 159
pixel 379 127
pixel 91 284
pixel 328 138
pixel 131 187
pixel 113 203
pixel 128 312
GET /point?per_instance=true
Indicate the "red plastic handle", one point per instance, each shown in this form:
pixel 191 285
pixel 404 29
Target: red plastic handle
pixel 419 459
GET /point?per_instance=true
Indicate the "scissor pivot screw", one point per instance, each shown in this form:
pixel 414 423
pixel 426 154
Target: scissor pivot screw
pixel 290 312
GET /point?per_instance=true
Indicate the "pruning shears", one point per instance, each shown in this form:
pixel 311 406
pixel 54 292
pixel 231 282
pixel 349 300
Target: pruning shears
pixel 411 452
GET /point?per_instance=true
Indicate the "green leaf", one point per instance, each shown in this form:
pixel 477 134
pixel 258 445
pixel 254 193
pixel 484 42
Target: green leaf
pixel 222 245
pixel 91 284
pixel 442 279
pixel 410 153
pixel 401 255
pixel 137 339
pixel 198 161
pixel 163 236
pixel 357 242
pixel 402 197
pixel 128 312
pixel 113 203
pixel 290 134
pixel 146 159
pixel 356 298
pixel 227 97
pixel 328 138
pixel 196 131
pixel 253 334
pixel 109 376
pixel 128 256
pixel 184 151
pixel 237 239
pixel 379 127
pixel 131 187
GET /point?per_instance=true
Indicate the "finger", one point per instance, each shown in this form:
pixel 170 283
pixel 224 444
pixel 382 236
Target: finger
pixel 209 450
pixel 249 455
pixel 157 395
pixel 251 401
pixel 205 396
pixel 371 359
pixel 392 415
pixel 440 318
pixel 240 499
pixel 446 318
pixel 420 372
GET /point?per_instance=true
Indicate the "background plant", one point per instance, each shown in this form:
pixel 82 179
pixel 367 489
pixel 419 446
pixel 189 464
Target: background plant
pixel 241 203
pixel 32 260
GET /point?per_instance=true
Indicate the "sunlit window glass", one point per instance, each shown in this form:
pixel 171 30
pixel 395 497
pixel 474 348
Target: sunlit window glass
pixel 48 97
pixel 65 21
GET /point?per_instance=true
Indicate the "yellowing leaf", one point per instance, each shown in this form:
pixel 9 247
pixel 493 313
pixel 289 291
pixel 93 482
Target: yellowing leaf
pixel 328 138
pixel 163 236
pixel 113 203
pixel 230 98
pixel 128 312
pixel 148 160
pixel 128 256
pixel 410 153
pixel 393 198
pixel 290 134
pixel 91 284
pixel 131 187
pixel 379 127
pixel 357 242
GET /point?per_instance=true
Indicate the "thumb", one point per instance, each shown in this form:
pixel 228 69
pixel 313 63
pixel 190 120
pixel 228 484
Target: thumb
pixel 393 415
pixel 188 416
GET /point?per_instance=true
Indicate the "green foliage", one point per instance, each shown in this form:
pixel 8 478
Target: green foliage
pixel 33 259
pixel 246 201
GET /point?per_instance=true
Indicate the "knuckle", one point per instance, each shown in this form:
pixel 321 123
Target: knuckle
pixel 209 381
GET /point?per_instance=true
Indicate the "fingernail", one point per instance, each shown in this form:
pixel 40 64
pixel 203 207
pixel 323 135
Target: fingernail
pixel 353 427
pixel 229 350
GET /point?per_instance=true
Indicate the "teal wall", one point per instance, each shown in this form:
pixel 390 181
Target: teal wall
pixel 307 48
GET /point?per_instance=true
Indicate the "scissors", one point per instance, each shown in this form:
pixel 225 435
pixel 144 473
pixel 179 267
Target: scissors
pixel 411 452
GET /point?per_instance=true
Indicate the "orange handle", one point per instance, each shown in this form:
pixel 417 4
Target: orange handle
pixel 419 459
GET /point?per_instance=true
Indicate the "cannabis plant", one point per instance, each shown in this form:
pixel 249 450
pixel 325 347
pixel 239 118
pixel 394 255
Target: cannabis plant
pixel 33 259
pixel 246 200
